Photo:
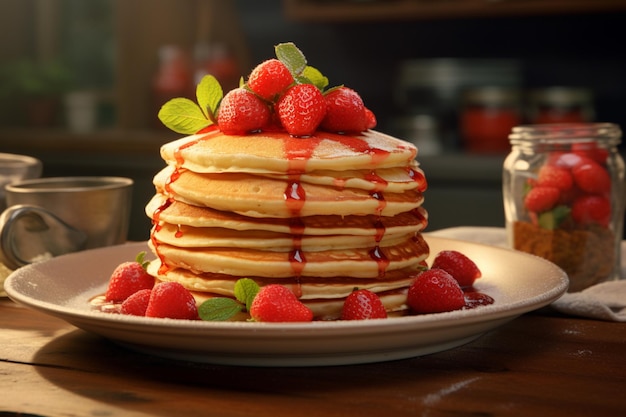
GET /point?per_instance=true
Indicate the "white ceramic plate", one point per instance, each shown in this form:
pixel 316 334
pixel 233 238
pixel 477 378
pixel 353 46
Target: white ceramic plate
pixel 64 285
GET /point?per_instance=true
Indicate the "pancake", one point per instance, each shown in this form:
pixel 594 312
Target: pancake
pixel 394 302
pixel 216 237
pixel 277 152
pixel 178 213
pixel 362 262
pixel 257 196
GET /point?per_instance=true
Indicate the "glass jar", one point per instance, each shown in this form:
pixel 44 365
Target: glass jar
pixel 563 190
pixel 561 105
pixel 489 114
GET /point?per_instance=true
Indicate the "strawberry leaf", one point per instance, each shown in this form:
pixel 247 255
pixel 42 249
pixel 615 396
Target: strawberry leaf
pixel 289 54
pixel 141 259
pixel 183 116
pixel 245 291
pixel 219 309
pixel 209 93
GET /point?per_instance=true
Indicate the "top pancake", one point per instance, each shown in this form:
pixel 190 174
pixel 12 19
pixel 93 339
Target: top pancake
pixel 279 153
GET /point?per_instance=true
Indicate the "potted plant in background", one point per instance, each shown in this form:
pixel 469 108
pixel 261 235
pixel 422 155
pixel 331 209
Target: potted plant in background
pixel 36 89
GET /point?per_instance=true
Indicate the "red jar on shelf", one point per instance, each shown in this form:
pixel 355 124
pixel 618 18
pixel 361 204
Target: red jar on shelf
pixel 560 105
pixel 487 117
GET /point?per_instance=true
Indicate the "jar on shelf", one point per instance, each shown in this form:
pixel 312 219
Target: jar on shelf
pixel 560 105
pixel 563 190
pixel 488 114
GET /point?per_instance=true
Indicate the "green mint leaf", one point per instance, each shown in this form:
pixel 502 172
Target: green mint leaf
pixel 315 77
pixel 245 291
pixel 209 94
pixel 289 54
pixel 219 309
pixel 183 116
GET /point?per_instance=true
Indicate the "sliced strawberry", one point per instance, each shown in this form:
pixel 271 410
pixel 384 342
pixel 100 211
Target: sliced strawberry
pixel 276 303
pixel 363 304
pixel 462 268
pixel 126 279
pixel 591 177
pixel 592 209
pixel 269 79
pixel 435 291
pixel 172 300
pixel 241 112
pixel 345 111
pixel 301 109
pixel 540 199
pixel 136 304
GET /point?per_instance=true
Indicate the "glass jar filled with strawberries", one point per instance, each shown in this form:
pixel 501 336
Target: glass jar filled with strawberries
pixel 563 189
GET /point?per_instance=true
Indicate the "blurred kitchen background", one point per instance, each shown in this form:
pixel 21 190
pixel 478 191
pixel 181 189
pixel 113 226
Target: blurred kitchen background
pixel 81 81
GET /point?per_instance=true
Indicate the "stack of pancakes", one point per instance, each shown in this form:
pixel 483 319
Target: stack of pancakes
pixel 321 215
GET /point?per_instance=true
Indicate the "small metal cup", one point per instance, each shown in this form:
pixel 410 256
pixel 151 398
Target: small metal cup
pixel 15 168
pixel 51 216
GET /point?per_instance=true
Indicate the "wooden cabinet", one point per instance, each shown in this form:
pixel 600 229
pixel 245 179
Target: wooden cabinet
pixel 377 10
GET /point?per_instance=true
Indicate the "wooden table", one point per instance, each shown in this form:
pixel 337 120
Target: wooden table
pixel 540 364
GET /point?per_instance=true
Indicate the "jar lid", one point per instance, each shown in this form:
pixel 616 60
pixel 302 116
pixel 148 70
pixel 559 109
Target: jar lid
pixel 562 96
pixel 491 96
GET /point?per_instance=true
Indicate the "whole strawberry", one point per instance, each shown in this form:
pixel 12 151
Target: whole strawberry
pixel 345 111
pixel 361 305
pixel 171 300
pixel 276 303
pixel 554 176
pixel 128 278
pixel 455 263
pixel 591 177
pixel 435 291
pixel 540 199
pixel 136 304
pixel 370 118
pixel 269 79
pixel 591 150
pixel 592 209
pixel 301 109
pixel 241 112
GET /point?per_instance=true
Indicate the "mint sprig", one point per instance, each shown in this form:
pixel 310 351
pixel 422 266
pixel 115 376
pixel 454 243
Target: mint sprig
pixel 186 117
pixel 289 54
pixel 209 94
pixel 293 58
pixel 224 308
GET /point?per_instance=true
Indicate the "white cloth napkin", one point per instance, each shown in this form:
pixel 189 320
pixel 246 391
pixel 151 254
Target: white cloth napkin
pixel 604 301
